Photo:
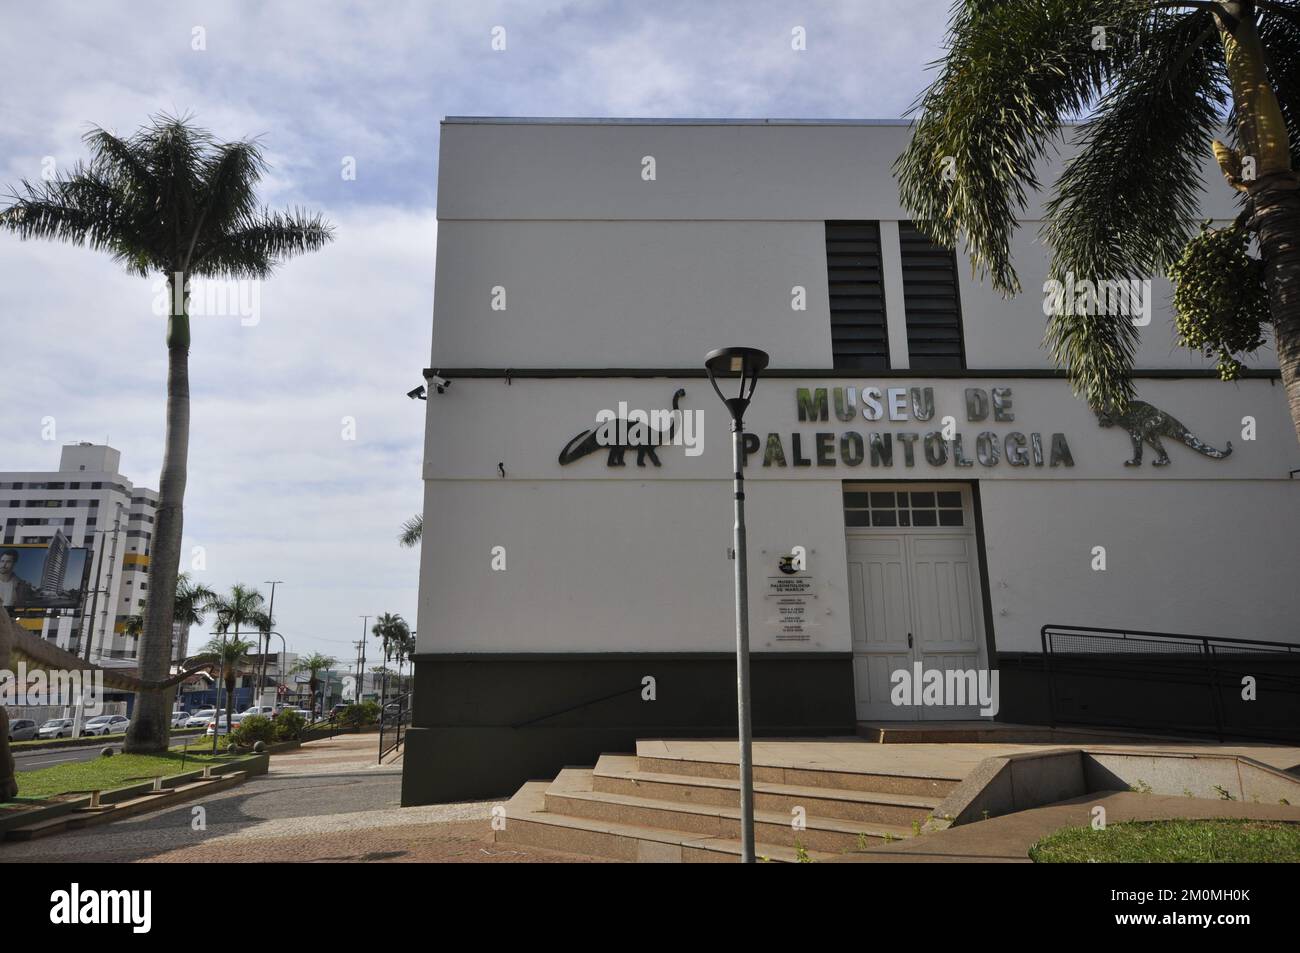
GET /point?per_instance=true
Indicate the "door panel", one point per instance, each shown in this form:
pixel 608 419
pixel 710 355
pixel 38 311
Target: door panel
pixel 880 607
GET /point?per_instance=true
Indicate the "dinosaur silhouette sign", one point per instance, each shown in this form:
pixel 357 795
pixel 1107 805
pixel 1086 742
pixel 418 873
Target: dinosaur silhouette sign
pixel 621 434
pixel 1146 424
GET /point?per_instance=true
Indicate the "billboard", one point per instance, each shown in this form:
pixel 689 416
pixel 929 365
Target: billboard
pixel 49 575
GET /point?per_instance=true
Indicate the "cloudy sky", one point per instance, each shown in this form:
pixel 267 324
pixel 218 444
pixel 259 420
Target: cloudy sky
pixel 275 492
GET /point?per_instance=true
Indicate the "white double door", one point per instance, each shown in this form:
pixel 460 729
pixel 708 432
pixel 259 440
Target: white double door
pixel 914 597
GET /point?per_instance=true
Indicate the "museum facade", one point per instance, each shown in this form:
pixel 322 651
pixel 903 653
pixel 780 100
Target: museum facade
pixel 938 529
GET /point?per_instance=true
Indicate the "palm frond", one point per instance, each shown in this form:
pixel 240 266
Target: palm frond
pixel 1128 201
pixel 412 531
pixel 1280 36
pixel 256 248
pixel 1014 73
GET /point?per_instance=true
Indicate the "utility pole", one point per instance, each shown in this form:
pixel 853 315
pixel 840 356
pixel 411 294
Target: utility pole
pixel 99 572
pixel 270 614
pixel 361 669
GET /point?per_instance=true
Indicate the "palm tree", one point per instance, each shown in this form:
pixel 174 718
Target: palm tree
pixel 231 654
pixel 314 664
pixel 391 630
pixel 242 607
pixel 168 200
pixel 1156 86
pixel 193 601
pixel 264 624
pixel 412 531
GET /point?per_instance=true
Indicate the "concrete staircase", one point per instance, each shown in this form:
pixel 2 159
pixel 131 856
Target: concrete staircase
pixel 654 809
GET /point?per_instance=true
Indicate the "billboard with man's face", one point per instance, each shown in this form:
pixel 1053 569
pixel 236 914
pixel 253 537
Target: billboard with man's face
pixel 48 575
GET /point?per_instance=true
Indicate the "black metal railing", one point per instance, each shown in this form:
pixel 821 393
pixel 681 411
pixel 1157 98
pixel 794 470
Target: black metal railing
pixel 577 706
pixel 395 715
pixel 1179 684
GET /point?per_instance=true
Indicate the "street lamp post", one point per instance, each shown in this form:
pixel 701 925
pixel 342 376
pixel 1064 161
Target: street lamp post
pixel 745 363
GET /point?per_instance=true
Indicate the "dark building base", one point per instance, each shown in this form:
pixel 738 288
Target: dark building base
pixel 1191 695
pixel 485 724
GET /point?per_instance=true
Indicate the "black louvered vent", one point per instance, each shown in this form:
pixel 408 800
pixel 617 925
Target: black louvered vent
pixel 859 338
pixel 930 300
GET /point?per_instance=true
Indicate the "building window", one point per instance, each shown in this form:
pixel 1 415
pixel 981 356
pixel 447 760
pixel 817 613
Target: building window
pixel 930 301
pixel 859 335
pixel 901 508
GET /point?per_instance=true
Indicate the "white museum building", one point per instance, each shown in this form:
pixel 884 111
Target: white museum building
pixel 924 492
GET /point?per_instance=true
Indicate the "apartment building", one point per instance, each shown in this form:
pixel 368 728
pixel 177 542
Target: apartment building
pixel 90 502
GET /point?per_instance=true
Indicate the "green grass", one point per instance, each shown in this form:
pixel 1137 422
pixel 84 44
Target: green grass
pixel 102 774
pixel 1180 841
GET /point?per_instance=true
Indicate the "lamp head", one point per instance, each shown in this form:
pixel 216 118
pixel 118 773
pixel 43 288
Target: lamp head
pixel 742 363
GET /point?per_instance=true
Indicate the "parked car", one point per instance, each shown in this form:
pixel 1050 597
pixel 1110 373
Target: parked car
pixel 22 729
pixel 217 725
pixel 179 718
pixel 200 719
pixel 106 725
pixel 56 728
pixel 266 711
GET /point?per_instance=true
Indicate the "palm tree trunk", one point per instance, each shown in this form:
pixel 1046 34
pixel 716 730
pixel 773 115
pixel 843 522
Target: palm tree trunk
pixel 1277 223
pixel 150 722
pixel 1272 190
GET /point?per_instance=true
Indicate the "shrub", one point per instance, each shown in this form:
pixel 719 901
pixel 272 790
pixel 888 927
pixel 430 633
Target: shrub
pixel 289 726
pixel 365 713
pixel 251 729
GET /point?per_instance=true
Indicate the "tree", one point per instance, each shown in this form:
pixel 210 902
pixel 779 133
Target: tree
pixel 313 665
pixel 242 607
pixel 391 630
pixel 168 200
pixel 188 608
pixel 231 656
pixel 193 601
pixel 1157 81
pixel 412 531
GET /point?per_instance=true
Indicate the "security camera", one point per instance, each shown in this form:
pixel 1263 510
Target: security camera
pixel 440 384
pixel 417 394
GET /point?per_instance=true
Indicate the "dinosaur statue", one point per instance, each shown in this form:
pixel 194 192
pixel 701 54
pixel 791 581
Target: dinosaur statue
pixel 17 644
pixel 1147 424
pixel 589 441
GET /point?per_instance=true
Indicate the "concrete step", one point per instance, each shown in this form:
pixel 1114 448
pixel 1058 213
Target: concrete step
pixel 921 786
pixel 572 794
pixel 621 774
pixel 528 823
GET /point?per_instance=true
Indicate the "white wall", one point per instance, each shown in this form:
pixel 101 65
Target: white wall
pixel 1200 558
pixel 604 566
pixel 628 294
